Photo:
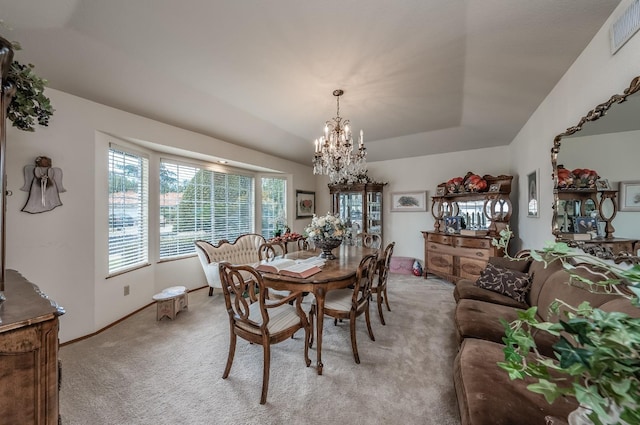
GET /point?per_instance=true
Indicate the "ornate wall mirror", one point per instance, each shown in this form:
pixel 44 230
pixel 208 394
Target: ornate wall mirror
pixel 606 141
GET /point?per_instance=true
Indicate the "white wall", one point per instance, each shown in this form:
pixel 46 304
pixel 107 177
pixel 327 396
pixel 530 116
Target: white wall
pixel 64 251
pixel 591 80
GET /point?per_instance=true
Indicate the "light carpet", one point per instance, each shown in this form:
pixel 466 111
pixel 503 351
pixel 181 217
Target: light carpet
pixel 142 371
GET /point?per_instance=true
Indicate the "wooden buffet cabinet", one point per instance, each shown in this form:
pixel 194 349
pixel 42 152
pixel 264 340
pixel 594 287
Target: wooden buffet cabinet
pixel 454 256
pixel 29 367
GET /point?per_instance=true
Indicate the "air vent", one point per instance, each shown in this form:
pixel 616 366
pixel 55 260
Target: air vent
pixel 625 27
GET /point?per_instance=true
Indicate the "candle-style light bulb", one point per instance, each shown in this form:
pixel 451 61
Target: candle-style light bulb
pixel 361 138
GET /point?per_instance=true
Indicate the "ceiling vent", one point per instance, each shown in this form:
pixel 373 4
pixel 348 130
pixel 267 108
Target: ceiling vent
pixel 625 27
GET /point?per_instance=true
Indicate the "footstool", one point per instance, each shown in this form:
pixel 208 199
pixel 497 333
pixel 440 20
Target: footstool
pixel 171 301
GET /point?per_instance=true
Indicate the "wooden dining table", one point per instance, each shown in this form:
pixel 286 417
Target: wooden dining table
pixel 335 274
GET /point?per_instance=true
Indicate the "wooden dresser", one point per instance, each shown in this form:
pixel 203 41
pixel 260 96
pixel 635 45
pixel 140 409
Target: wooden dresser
pixel 454 257
pixel 29 370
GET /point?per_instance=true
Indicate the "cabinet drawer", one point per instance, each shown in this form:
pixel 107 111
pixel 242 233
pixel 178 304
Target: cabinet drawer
pixel 440 263
pixel 472 242
pixel 439 238
pixel 470 268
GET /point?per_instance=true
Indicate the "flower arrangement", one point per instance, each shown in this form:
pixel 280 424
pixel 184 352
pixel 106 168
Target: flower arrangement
pixel 326 227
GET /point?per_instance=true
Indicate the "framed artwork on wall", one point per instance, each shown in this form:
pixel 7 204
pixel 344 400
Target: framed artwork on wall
pixel 533 191
pixel 305 204
pixel 629 194
pixel 409 201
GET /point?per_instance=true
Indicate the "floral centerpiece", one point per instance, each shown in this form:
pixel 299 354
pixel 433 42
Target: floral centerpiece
pixel 326 232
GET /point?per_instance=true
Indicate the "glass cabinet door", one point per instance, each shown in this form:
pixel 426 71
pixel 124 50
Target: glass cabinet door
pixel 350 210
pixel 374 212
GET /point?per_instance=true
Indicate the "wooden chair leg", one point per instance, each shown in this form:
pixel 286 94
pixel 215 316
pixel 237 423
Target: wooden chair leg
pixel 367 316
pixel 265 372
pixel 379 303
pixel 308 332
pixel 232 352
pixel 354 343
pixel 210 290
pixel 386 299
pixel 312 313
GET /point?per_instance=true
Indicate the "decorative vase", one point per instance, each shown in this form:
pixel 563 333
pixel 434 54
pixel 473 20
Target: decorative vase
pixel 326 245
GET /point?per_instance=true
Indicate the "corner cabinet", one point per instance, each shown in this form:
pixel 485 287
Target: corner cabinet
pixel 359 205
pixel 459 247
pixel 29 368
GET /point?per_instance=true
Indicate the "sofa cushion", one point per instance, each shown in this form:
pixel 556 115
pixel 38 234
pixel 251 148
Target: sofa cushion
pixel 479 319
pixel 486 395
pixel 539 274
pixel 521 265
pixel 557 287
pixel 467 289
pixel 508 282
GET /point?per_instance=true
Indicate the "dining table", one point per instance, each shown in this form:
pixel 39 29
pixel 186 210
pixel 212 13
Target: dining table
pixel 335 274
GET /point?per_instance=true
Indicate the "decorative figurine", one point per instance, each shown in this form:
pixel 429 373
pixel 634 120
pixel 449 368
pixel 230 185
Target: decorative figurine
pixel 44 184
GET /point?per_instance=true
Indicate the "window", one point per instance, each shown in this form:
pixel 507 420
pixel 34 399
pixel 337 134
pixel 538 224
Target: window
pixel 274 205
pixel 196 203
pixel 128 209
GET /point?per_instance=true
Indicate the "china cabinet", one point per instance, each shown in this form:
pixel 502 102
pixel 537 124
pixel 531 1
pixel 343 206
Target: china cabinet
pixel 359 205
pixel 459 247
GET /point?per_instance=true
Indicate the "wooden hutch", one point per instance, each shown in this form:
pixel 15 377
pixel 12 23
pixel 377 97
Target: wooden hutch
pixel 572 203
pixel 462 251
pixel 359 205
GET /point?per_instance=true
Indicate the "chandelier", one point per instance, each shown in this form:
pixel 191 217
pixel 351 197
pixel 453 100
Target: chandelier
pixel 335 153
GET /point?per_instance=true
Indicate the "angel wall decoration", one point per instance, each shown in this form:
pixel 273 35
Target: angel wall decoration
pixel 44 184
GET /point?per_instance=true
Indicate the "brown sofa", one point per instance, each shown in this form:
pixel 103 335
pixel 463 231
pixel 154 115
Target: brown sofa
pixel 485 394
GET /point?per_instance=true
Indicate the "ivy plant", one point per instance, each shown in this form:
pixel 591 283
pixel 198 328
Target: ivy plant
pixel 29 104
pixel 597 357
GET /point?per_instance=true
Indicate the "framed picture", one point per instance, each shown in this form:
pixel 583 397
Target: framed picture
pixel 453 224
pixel 629 194
pixel 533 194
pixel 494 187
pixel 305 204
pixel 441 191
pixel 583 224
pixel 409 201
pixel 603 184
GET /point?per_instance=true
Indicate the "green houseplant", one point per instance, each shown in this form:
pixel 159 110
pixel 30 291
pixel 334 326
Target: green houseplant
pixel 598 353
pixel 29 104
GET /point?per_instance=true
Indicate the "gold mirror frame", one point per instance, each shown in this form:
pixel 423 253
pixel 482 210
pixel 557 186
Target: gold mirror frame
pixel 593 115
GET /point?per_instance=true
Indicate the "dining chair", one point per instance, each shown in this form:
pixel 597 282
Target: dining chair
pixel 380 281
pixel 270 250
pixel 258 320
pixel 350 303
pixel 303 244
pixel 369 240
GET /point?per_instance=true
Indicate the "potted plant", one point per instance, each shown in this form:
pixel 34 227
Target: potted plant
pixel 29 104
pixel 598 354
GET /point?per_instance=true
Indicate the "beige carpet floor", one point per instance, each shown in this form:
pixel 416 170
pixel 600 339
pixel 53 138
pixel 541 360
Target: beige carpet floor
pixel 142 371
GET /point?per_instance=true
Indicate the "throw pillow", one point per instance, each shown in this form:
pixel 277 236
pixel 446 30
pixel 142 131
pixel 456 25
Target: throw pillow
pixel 512 283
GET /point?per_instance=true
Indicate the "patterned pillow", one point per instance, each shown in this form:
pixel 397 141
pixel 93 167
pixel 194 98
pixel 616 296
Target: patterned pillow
pixel 512 283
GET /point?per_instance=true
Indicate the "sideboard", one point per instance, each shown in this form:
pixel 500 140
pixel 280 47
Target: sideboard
pixel 454 257
pixel 29 367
